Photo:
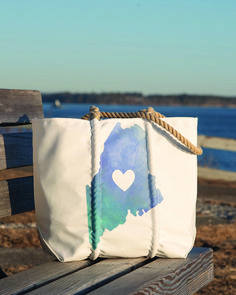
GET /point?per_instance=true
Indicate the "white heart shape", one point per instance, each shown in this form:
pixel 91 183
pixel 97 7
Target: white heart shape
pixel 123 181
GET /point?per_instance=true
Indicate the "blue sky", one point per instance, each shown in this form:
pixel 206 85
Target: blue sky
pixel 149 46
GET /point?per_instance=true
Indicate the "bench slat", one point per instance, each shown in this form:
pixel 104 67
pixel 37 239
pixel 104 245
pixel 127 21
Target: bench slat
pixel 166 276
pixel 39 276
pixel 117 276
pixel 16 172
pixel 17 196
pixel 20 106
pixel 91 277
pixel 16 150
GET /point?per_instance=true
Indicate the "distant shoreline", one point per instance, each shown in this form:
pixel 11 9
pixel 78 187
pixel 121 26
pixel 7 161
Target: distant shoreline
pixel 140 99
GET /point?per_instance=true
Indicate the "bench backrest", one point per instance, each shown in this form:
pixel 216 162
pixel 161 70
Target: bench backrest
pixel 17 109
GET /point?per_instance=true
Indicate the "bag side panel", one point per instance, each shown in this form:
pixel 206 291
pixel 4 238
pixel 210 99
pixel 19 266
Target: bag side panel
pixel 176 172
pixel 62 170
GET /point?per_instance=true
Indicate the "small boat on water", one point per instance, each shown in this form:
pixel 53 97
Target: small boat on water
pixel 57 103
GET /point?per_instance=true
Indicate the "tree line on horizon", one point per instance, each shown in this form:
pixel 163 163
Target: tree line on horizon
pixel 133 98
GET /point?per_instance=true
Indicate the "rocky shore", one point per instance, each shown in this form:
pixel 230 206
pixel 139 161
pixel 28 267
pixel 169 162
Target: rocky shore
pixel 216 228
pixel 210 212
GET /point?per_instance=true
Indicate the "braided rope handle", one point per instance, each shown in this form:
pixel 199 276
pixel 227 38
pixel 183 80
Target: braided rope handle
pixel 149 114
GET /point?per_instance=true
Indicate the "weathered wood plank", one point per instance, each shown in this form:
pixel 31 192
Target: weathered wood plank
pixel 16 172
pixel 216 175
pixel 220 143
pixel 38 276
pixel 16 196
pixel 161 276
pixel 166 276
pixel 91 277
pixel 16 149
pixel 20 106
pixel 23 256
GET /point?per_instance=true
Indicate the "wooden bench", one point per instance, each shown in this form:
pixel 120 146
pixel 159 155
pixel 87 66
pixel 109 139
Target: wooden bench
pixel 103 276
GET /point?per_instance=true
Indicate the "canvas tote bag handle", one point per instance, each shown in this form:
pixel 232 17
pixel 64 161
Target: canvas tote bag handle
pixel 149 114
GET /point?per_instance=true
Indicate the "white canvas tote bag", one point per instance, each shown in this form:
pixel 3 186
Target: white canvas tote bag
pixel 120 187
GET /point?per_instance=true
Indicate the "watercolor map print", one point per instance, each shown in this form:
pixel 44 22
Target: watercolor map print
pixel 123 183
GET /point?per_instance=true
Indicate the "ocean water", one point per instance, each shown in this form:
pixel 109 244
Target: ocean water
pixel 212 121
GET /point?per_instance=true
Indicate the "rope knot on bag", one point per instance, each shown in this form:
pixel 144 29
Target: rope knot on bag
pixel 148 114
pixel 94 113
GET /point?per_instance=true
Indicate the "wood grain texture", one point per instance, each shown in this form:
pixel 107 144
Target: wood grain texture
pixel 16 196
pixel 38 276
pixel 166 276
pixel 116 276
pixel 20 106
pixel 16 149
pixel 91 277
pixel 16 173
